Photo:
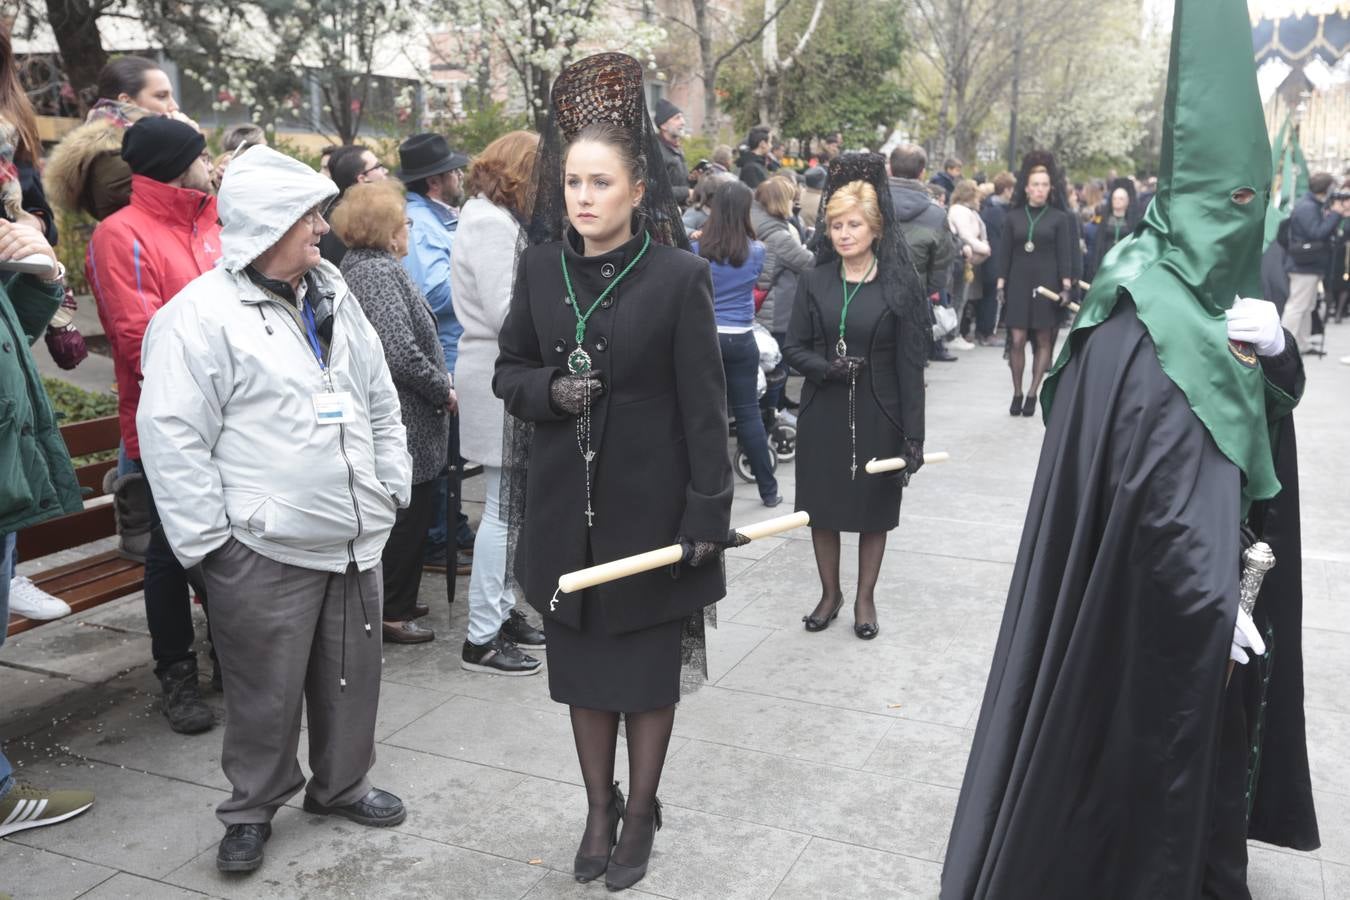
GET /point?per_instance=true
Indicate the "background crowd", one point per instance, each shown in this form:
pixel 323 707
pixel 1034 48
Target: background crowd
pixel 421 256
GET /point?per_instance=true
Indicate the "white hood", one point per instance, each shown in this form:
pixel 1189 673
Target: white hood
pixel 261 196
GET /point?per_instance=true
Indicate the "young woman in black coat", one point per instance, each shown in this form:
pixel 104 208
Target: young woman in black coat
pixel 629 453
pixel 859 334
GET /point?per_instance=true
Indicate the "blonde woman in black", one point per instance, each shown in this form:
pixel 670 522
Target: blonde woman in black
pixel 859 333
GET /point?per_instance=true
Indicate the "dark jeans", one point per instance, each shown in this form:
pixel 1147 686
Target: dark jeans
pixel 740 361
pixel 986 312
pixel 403 552
pixel 168 602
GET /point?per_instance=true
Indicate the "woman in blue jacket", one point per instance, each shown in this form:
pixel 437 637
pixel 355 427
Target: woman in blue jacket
pixel 728 244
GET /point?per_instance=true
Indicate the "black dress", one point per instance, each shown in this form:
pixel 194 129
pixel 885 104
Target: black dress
pixel 1047 265
pixel 661 472
pixel 1110 232
pixel 888 404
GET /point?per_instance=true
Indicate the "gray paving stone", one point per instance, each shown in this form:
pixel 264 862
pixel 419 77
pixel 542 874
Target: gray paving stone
pixel 402 704
pixel 133 887
pixel 130 827
pixel 834 668
pixel 783 727
pixel 27 873
pixel 37 694
pixel 1335 881
pixel 831 869
pixel 443 796
pixel 546 827
pixel 83 652
pixel 824 801
pixel 922 751
pixel 729 643
pixel 1328 741
pixel 560 886
pixel 1326 678
pixel 1276 875
pixel 309 857
pixel 1333 823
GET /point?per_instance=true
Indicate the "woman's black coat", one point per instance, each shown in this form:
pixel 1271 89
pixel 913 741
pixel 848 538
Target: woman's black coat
pixel 662 469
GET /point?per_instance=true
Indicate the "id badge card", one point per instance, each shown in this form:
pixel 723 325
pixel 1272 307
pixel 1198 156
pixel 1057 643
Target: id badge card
pixel 334 408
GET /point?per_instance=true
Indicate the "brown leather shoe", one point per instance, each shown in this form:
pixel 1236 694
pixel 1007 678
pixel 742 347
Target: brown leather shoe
pixel 420 610
pixel 409 632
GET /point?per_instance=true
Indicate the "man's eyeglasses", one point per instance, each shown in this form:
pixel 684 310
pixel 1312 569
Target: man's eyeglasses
pixel 378 166
pixel 313 217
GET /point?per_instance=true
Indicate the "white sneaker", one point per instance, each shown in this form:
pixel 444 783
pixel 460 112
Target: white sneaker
pixel 32 602
pixel 787 418
pixel 960 343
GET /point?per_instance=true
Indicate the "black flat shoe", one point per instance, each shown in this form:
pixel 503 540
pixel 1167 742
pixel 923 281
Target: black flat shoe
pixel 377 809
pixel 866 630
pixel 621 877
pixel 589 868
pixel 815 624
pixel 1016 408
pixel 241 850
pixel 1029 408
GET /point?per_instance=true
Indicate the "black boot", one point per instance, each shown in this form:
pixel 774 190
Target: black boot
pixel 181 702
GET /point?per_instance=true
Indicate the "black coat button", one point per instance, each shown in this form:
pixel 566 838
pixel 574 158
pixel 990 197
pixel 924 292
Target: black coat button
pixel 567 301
pixel 26 430
pixel 608 270
pixel 45 504
pixel 7 347
pixel 601 344
pixel 560 346
pixel 607 302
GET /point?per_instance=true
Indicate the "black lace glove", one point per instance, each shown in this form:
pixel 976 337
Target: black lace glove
pixel 1065 298
pixel 696 553
pixel 841 366
pixel 912 452
pixel 570 394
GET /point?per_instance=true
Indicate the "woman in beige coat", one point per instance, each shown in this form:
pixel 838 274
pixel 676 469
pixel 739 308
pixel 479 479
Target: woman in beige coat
pixel 963 218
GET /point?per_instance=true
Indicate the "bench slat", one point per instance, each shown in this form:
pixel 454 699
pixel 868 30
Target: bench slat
pixel 92 436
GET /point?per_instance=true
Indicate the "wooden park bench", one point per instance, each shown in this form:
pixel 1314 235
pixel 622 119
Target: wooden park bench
pixel 102 576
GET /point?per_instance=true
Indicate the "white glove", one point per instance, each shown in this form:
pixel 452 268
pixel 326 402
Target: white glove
pixel 1256 322
pixel 1245 637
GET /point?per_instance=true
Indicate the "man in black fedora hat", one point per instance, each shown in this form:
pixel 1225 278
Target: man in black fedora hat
pixel 433 174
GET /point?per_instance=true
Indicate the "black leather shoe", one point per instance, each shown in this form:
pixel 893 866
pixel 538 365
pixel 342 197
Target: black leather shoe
pixel 773 501
pixel 619 876
pixel 518 630
pixel 1016 408
pixel 815 624
pixel 409 632
pixel 866 630
pixel 942 354
pixel 378 809
pixel 181 700
pixel 1029 408
pixel 241 850
pixel 589 868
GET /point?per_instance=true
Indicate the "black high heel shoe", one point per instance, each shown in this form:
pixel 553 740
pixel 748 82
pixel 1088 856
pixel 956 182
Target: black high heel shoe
pixel 1016 408
pixel 817 624
pixel 620 877
pixel 1029 408
pixel 589 868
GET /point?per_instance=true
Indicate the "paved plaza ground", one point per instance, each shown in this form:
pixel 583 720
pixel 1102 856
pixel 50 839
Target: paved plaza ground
pixel 812 765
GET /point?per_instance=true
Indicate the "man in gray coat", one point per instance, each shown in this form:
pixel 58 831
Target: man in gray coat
pixel 270 432
pixel 924 226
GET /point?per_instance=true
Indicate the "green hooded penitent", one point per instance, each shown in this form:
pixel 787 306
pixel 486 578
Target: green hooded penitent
pixel 1199 244
pixel 1287 159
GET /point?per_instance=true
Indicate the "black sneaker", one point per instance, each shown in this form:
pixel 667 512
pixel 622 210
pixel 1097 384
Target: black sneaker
pixel 497 657
pixel 181 700
pixel 518 630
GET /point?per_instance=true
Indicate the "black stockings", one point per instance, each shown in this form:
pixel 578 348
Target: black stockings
pixel 596 734
pixel 826 544
pixel 1045 349
pixel 871 549
pixel 1017 357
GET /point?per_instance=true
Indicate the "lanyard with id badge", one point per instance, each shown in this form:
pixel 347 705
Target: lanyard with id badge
pixel 330 407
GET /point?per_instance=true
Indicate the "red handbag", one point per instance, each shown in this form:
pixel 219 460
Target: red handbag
pixel 64 341
pixel 760 294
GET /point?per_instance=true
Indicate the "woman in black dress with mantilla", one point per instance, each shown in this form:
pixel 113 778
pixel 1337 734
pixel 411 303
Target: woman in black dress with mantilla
pixel 610 351
pixel 1038 250
pixel 859 333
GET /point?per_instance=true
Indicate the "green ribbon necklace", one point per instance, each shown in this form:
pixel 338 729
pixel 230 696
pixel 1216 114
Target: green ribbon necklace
pixel 841 348
pixel 579 361
pixel 1031 227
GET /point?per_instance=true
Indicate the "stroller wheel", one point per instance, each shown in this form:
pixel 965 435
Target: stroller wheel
pixel 784 440
pixel 741 463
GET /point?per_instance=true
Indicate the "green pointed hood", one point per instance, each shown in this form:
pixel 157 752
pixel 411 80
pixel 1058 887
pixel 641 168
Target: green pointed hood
pixel 1288 160
pixel 1197 247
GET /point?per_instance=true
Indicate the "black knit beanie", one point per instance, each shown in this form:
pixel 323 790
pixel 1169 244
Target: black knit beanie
pixel 161 148
pixel 665 111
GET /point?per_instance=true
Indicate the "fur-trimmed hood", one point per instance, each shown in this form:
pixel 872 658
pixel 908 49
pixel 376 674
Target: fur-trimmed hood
pixel 86 172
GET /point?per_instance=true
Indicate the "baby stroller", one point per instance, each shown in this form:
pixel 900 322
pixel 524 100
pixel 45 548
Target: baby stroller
pixel 780 426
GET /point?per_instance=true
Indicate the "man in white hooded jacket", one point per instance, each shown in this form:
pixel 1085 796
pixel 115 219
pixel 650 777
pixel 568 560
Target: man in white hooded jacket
pixel 271 435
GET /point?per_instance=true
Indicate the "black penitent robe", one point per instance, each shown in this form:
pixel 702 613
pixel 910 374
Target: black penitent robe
pixel 1094 763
